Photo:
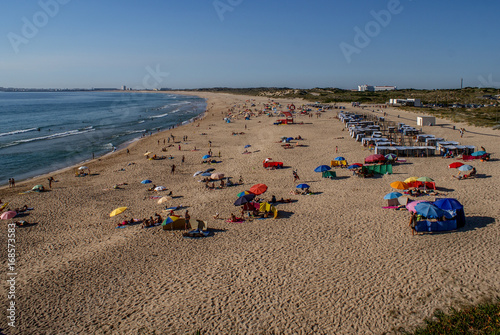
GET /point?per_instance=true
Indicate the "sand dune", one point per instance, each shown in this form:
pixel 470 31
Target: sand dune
pixel 334 262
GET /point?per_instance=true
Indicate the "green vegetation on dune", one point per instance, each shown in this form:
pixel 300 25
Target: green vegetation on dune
pixel 477 319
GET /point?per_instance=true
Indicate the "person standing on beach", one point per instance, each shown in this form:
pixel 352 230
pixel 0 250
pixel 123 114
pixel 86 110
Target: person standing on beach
pixel 173 169
pixel 179 147
pixel 187 217
pixel 413 222
pixel 10 182
pixel 51 179
pixel 295 176
pixel 182 160
pixel 13 183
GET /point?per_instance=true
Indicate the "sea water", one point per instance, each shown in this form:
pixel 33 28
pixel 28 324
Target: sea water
pixel 45 131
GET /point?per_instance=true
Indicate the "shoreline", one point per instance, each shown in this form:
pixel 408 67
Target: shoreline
pixel 332 262
pixel 120 147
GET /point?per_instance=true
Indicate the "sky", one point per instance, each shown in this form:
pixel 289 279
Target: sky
pixel 249 43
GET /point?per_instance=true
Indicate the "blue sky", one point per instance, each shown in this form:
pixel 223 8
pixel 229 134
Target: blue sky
pixel 248 43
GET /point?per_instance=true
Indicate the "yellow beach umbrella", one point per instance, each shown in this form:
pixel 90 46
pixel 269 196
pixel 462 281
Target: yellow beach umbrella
pixel 117 211
pixel 409 180
pixel 399 185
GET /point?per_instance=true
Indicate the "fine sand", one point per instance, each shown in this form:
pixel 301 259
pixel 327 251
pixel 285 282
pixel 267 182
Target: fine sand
pixel 334 262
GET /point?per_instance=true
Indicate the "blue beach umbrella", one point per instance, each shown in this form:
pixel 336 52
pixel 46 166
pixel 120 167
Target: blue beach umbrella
pixel 206 174
pixel 322 168
pixel 429 210
pixel 340 158
pixel 206 157
pixel 244 199
pixel 392 195
pixel 243 193
pixel 146 181
pixel 303 186
pixel 448 204
pixel 478 153
pixel 466 167
pixel 354 166
pixel 247 146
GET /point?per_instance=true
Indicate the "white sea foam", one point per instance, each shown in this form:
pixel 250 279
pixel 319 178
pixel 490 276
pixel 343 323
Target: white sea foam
pixel 14 132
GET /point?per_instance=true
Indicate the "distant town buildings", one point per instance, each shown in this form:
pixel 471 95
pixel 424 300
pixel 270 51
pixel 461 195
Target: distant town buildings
pixel 405 102
pixel 369 88
pixel 124 88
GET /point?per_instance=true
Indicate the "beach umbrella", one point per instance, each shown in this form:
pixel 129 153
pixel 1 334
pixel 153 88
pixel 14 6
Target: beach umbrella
pixel 148 153
pixel 258 189
pixel 247 146
pixel 377 158
pixel 206 174
pixel 392 195
pixel 170 219
pixel 448 204
pixel 455 165
pixel 117 211
pixel 322 168
pixel 429 210
pixel 160 188
pixel 267 160
pixel 411 205
pixel 465 168
pixel 210 170
pixel 197 173
pixel 206 157
pixel 478 153
pixel 411 179
pixel 146 181
pixel 8 215
pixel 399 185
pixel 244 199
pixel 83 168
pixel 243 193
pixel 164 199
pixel 354 166
pixel 425 179
pixel 302 186
pixel 340 158
pixel 391 157
pixel 217 176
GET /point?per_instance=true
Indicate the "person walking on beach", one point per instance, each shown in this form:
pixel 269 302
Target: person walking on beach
pixel 51 179
pixel 413 222
pixel 13 183
pixel 295 176
pixel 187 217
pixel 173 169
pixel 10 182
pixel 179 147
pixel 182 160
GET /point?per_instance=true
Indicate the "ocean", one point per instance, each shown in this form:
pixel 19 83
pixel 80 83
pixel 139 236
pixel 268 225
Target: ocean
pixel 42 132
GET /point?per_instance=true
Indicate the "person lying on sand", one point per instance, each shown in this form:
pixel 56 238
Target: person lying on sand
pixel 22 223
pixel 22 209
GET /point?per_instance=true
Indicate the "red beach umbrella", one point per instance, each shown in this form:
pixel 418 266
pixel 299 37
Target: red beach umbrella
pixel 377 158
pixel 455 165
pixel 258 189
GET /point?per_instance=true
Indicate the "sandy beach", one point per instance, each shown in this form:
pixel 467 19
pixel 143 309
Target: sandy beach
pixel 334 262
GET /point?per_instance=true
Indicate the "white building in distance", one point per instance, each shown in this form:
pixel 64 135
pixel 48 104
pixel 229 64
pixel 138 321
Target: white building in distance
pixel 405 102
pixel 369 88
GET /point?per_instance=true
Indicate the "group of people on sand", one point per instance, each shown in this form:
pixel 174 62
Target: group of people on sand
pixel 152 221
pixel 471 174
